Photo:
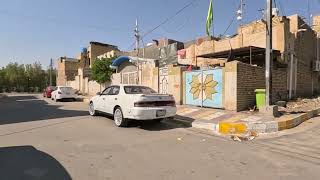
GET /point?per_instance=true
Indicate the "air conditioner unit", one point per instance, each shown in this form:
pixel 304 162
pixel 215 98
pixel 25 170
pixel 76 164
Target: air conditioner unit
pixel 316 66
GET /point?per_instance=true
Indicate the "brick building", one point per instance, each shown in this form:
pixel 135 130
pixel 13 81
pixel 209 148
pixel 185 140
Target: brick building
pixel 295 65
pixel 67 69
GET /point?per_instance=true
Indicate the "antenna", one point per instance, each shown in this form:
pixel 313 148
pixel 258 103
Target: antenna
pixel 240 12
pixel 137 34
pixel 309 13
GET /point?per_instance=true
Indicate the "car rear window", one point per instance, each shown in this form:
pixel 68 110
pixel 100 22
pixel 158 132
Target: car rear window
pixel 66 89
pixel 138 90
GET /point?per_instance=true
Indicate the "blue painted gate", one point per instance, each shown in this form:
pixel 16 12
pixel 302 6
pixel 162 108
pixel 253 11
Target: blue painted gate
pixel 204 88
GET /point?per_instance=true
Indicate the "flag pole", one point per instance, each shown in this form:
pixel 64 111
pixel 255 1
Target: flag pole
pixel 212 20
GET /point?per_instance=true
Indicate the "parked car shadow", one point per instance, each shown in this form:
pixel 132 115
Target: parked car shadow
pixel 17 109
pixel 28 163
pixel 149 125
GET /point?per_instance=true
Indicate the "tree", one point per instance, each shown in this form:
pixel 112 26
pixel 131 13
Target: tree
pixel 101 70
pixel 29 77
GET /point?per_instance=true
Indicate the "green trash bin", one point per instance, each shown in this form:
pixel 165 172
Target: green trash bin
pixel 260 97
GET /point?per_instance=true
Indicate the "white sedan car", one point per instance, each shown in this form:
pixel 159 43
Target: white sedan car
pixel 63 92
pixel 133 102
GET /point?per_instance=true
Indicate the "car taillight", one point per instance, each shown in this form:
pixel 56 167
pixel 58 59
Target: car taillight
pixel 172 103
pixel 59 92
pixel 154 103
pixel 144 104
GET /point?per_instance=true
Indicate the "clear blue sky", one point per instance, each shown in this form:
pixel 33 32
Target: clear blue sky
pixel 37 30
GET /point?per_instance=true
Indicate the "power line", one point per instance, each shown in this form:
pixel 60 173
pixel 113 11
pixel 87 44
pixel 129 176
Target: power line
pixel 281 8
pixel 169 18
pixel 166 20
pixel 232 20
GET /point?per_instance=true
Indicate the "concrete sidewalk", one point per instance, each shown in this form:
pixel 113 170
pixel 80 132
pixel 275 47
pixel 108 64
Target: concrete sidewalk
pixel 230 122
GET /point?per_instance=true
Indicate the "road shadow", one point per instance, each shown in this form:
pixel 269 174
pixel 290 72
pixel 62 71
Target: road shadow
pixel 149 125
pixel 28 163
pixel 27 108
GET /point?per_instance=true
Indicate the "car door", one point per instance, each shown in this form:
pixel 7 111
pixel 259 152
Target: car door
pixel 112 99
pixel 100 104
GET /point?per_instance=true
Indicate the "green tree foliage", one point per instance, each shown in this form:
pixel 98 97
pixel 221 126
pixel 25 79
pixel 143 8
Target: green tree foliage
pixel 101 71
pixel 24 78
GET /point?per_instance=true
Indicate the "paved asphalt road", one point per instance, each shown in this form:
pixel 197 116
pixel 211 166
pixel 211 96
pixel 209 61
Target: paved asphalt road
pixel 40 139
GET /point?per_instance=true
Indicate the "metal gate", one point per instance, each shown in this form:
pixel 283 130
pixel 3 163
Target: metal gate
pixel 163 80
pixel 204 88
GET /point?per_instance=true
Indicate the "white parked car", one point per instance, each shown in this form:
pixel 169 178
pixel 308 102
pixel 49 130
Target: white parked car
pixel 133 102
pixel 63 92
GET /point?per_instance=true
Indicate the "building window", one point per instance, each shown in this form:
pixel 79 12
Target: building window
pixel 89 60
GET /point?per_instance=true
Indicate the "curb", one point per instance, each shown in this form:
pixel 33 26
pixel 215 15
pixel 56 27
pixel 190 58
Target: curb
pixel 228 128
pixel 266 127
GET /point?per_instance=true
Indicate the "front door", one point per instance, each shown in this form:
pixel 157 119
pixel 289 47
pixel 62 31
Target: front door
pixel 111 99
pixel 100 105
pixel 163 80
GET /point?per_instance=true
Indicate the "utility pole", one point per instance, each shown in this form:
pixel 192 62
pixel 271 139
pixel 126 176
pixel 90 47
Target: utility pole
pixel 269 56
pixel 50 72
pixel 137 35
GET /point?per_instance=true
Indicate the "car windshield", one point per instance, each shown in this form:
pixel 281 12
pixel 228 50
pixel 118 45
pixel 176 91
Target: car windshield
pixel 138 90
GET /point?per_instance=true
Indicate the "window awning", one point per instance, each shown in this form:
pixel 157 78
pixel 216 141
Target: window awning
pixel 243 51
pixel 118 61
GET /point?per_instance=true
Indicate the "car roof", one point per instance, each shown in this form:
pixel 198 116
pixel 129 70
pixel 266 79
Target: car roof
pixel 122 85
pixel 64 86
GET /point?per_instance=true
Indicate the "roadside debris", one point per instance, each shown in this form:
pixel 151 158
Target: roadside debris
pixel 302 105
pixel 179 139
pixel 247 137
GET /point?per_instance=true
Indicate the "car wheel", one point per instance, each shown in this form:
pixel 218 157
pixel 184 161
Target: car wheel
pixel 92 112
pixel 118 118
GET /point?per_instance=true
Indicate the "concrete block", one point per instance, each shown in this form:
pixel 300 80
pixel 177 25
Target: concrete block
pixel 272 125
pixel 270 111
pixel 304 116
pixel 258 127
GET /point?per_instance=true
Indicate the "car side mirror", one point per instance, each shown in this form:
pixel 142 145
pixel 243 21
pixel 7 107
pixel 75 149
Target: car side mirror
pixel 98 93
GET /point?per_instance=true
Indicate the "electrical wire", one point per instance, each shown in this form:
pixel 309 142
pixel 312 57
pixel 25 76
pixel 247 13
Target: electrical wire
pixel 281 8
pixel 231 22
pixel 166 20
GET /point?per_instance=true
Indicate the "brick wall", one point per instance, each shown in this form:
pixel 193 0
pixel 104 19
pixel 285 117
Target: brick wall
pixel 250 78
pixel 66 71
pixel 96 50
pixel 316 23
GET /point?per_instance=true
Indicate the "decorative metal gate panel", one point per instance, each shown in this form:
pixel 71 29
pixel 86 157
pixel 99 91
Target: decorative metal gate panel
pixel 204 88
pixel 163 80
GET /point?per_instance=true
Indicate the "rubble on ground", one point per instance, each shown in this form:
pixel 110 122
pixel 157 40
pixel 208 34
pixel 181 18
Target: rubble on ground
pixel 301 105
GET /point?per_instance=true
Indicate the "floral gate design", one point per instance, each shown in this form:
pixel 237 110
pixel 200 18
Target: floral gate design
pixel 204 88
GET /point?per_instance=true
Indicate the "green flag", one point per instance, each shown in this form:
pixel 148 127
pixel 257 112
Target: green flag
pixel 209 19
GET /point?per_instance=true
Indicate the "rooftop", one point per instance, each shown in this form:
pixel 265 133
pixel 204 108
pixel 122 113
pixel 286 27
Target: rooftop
pixel 103 44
